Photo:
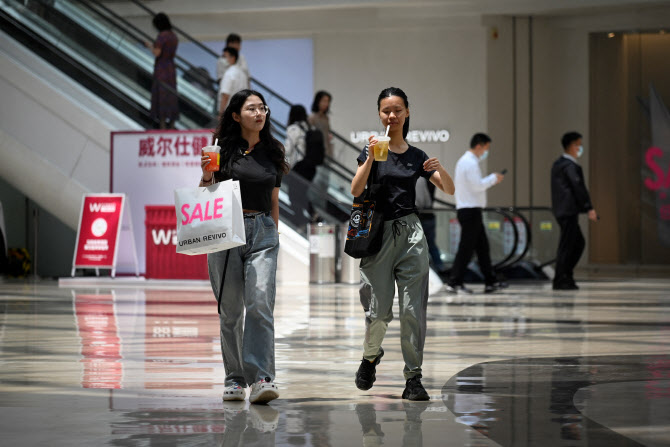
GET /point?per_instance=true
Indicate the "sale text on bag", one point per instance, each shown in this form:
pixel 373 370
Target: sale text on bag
pixel 211 218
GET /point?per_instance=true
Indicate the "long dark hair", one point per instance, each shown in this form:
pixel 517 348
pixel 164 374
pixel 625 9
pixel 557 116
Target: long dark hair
pixel 297 114
pixel 229 134
pixel 317 99
pixel 162 22
pixel 395 91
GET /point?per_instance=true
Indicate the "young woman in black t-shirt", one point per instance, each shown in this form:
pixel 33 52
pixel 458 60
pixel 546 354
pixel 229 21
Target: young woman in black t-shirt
pixel 403 258
pixel 251 155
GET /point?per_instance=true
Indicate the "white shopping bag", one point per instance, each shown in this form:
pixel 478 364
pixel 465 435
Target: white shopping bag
pixel 209 219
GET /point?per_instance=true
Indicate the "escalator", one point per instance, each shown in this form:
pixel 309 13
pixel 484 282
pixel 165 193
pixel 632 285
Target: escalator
pixel 105 54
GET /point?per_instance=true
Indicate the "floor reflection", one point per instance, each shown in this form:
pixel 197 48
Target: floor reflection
pixel 525 367
pixel 497 398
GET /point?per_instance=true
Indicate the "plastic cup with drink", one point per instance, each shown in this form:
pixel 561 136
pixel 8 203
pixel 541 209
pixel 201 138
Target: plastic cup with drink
pixel 382 146
pixel 214 154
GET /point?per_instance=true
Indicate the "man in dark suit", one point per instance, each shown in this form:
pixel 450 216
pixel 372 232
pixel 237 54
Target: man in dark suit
pixel 569 198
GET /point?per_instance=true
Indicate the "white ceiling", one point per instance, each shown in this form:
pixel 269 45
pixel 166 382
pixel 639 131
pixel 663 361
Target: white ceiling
pixel 451 7
pixel 213 19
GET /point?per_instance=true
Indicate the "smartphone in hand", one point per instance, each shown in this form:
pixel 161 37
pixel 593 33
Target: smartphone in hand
pixel 504 171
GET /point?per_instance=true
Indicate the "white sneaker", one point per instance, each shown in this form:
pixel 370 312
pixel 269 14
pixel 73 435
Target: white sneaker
pixel 233 392
pixel 264 418
pixel 263 391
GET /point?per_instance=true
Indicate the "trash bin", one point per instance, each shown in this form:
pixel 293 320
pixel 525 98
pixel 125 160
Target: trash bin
pixel 349 267
pixel 322 253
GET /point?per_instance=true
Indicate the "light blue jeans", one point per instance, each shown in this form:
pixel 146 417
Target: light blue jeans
pixel 248 342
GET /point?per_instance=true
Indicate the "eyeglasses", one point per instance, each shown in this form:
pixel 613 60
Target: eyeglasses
pixel 262 110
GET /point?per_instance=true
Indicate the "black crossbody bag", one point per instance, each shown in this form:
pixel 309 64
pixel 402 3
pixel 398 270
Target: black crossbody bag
pixel 366 224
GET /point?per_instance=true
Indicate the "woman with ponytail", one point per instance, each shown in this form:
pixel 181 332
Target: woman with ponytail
pixel 403 258
pixel 252 156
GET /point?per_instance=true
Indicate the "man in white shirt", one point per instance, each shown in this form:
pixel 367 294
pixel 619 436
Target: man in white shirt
pixel 233 80
pixel 222 64
pixel 470 199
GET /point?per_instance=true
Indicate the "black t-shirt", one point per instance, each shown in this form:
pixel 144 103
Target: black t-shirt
pixel 399 174
pixel 258 176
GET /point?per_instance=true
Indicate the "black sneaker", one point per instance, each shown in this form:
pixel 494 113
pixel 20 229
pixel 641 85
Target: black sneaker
pixel 491 288
pixel 455 288
pixel 564 285
pixel 414 390
pixel 365 376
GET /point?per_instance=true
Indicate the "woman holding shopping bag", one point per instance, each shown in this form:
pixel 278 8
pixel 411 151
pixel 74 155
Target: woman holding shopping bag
pixel 243 278
pixel 403 258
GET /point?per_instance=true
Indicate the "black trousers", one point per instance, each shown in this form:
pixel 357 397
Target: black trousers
pixel 570 248
pixel 473 240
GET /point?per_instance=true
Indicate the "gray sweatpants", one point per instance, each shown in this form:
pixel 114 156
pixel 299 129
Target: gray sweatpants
pixel 403 260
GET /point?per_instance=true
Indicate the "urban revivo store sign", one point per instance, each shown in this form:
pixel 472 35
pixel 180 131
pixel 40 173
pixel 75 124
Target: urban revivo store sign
pixel 413 136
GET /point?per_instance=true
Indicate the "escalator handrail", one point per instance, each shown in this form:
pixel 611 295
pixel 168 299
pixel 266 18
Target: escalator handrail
pixel 516 210
pixel 502 263
pixel 276 95
pixel 531 209
pixel 342 171
pixel 527 227
pixel 212 53
pixel 501 211
pixel 346 142
pixel 125 31
pixel 69 59
pixel 125 25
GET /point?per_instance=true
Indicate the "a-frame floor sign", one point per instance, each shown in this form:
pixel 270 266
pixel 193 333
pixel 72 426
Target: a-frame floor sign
pixel 105 234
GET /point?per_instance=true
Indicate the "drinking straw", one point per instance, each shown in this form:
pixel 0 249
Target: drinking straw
pixel 387 130
pixel 216 142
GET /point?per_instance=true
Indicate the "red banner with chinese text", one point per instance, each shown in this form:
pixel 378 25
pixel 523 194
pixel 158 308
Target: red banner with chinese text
pixel 148 166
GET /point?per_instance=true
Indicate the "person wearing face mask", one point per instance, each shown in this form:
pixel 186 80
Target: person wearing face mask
pixel 234 79
pixel 470 199
pixel 569 198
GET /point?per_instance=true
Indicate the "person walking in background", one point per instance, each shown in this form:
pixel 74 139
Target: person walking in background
pixel 569 198
pixel 295 134
pixel 232 41
pixel 164 100
pixel 304 152
pixel 403 258
pixel 233 80
pixel 470 199
pixel 425 195
pixel 319 118
pixel 250 154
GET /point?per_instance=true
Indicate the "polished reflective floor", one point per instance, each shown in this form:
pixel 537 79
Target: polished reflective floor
pixel 141 366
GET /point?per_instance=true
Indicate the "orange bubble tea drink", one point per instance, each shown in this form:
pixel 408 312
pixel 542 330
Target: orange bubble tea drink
pixel 214 157
pixel 382 148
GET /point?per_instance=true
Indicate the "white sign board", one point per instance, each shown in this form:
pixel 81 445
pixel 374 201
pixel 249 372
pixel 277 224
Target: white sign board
pixel 148 166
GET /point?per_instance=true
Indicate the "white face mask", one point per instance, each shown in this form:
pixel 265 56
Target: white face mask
pixel 484 156
pixel 580 152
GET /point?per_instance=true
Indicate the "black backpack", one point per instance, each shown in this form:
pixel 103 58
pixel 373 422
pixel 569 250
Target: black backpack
pixel 315 148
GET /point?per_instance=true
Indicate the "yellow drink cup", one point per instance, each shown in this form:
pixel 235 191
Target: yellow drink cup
pixel 382 148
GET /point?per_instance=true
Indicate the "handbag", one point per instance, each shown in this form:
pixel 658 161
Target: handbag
pixel 366 224
pixel 209 219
